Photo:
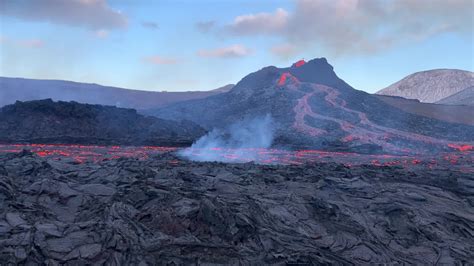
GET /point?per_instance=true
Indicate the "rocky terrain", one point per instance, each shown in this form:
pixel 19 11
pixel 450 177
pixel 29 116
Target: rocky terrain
pixel 20 89
pixel 431 86
pixel 464 97
pixel 389 184
pixel 46 121
pixel 313 108
pixel 173 212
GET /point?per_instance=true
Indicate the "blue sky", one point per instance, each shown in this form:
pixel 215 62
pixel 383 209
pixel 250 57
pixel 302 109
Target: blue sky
pixel 201 45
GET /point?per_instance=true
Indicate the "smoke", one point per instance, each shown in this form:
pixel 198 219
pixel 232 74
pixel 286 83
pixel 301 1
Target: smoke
pixel 240 140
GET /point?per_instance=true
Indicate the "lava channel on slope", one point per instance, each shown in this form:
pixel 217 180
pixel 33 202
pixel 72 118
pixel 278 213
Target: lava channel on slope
pixel 362 132
pixel 299 63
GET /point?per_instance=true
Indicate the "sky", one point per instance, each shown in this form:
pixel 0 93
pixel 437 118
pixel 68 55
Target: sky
pixel 182 45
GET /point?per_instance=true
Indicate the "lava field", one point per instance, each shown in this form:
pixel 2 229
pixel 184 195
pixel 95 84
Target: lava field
pixel 85 153
pixel 461 158
pixel 76 205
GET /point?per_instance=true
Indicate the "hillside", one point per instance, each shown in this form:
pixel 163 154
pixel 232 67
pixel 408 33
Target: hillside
pixel 45 121
pixel 448 113
pixel 19 89
pixel 313 108
pixel 432 85
pixel 464 97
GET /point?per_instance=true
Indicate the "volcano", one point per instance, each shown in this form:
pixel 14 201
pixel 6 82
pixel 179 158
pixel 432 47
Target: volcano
pixel 313 108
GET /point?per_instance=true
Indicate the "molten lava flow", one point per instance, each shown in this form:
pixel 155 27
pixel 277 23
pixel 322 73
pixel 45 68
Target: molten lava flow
pixel 462 147
pixel 301 110
pixel 299 63
pixel 462 161
pixel 86 153
pixel 282 80
pixel 284 77
pixel 361 132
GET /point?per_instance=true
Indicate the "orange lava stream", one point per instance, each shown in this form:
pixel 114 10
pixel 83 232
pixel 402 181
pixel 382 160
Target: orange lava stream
pixel 79 154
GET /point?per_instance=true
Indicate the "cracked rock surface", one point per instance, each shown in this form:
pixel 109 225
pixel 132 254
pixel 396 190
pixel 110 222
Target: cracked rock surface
pixel 152 212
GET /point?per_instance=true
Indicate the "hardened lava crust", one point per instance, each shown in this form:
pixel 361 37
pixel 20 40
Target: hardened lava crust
pixel 165 210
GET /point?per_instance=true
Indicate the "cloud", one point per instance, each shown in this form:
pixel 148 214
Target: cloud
pixel 343 27
pixel 32 43
pixel 205 26
pixel 236 50
pixel 260 23
pixel 26 43
pixel 158 60
pixel 90 14
pixel 102 34
pixel 150 25
pixel 284 50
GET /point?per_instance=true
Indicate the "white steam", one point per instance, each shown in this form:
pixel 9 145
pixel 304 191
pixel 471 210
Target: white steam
pixel 239 142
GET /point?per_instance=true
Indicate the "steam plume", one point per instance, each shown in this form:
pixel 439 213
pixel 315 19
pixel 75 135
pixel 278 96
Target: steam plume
pixel 244 138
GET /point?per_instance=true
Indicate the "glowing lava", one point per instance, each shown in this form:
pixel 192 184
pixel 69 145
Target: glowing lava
pixel 301 110
pixel 361 132
pixel 462 147
pixel 463 161
pixel 299 63
pixel 284 77
pixel 86 153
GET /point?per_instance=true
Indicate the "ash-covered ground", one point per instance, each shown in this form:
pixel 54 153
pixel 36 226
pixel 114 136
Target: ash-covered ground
pixel 161 209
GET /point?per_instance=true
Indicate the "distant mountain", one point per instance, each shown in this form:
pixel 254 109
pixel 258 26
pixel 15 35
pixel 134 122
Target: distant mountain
pixel 46 121
pixel 225 88
pixel 432 85
pixel 464 97
pixel 20 89
pixel 313 108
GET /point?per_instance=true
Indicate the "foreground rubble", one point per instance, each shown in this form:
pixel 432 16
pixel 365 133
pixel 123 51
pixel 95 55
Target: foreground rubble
pixel 166 210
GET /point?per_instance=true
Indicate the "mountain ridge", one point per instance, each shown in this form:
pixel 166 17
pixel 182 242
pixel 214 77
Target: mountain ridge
pixel 430 85
pixel 23 89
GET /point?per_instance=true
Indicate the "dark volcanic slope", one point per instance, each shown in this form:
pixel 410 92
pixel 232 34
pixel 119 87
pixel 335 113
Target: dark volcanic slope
pixel 314 108
pixel 464 97
pixel 449 113
pixel 129 212
pixel 19 89
pixel 46 121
